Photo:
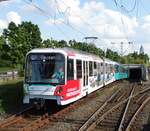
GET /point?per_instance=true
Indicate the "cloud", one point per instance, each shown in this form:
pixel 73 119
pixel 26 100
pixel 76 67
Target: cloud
pixel 3 24
pixel 92 18
pixel 106 21
pixel 110 25
pixel 10 17
pixel 14 17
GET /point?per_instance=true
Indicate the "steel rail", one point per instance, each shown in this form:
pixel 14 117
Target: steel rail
pixel 40 122
pixel 14 118
pixel 125 111
pixel 95 114
pixel 90 120
pixel 136 114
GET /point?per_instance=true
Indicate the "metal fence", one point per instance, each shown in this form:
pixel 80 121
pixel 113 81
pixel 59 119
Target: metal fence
pixel 9 75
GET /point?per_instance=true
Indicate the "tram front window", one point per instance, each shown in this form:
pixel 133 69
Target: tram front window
pixel 45 68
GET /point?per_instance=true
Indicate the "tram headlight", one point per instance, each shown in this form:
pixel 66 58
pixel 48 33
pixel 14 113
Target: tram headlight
pixel 58 91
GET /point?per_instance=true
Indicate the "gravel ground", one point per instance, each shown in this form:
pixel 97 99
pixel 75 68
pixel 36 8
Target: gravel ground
pixel 74 119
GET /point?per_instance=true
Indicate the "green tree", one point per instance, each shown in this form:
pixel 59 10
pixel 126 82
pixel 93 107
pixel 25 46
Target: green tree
pixel 19 39
pixel 135 58
pixel 50 43
pixel 90 48
pixel 47 43
pixel 114 56
pixel 62 43
pixel 1 42
pixel 33 33
pixel 1 46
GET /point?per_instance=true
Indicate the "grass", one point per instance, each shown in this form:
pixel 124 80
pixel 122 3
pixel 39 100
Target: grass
pixel 11 96
pixel 9 82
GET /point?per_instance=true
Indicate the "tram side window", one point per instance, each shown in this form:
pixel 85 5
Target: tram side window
pixel 79 69
pixel 90 69
pixel 98 72
pixel 101 68
pixel 70 70
pixel 109 68
pixel 95 69
pixel 116 68
pixel 95 66
pixel 106 68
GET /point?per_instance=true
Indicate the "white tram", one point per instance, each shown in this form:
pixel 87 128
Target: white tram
pixel 64 74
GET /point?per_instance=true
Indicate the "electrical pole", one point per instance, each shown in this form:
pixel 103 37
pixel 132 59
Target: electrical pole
pixel 121 46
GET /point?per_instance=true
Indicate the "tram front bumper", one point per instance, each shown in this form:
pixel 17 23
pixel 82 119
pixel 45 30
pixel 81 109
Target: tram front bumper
pixel 27 98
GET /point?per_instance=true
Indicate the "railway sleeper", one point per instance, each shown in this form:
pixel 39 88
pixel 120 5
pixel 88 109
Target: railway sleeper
pixel 102 128
pixel 112 119
pixel 9 129
pixel 114 115
pixel 107 123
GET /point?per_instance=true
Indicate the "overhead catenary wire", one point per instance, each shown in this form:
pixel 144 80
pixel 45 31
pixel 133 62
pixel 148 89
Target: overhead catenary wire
pixel 66 11
pixel 137 11
pixel 81 18
pixel 136 7
pixel 132 9
pixel 121 6
pixel 85 22
pixel 122 21
pixel 49 15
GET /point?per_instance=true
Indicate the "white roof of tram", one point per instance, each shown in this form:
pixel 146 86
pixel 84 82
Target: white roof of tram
pixel 108 61
pixel 68 52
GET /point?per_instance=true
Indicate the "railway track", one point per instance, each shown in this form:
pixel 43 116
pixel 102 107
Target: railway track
pixel 29 121
pixel 122 116
pixel 25 120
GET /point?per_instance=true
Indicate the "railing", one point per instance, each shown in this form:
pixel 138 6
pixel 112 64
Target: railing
pixel 10 75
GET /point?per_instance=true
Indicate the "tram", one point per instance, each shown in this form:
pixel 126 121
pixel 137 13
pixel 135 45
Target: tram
pixel 66 75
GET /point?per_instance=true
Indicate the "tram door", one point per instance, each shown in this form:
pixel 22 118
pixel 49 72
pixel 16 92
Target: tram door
pixel 85 74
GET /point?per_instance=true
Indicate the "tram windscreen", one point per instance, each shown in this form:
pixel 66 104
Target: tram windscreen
pixel 45 68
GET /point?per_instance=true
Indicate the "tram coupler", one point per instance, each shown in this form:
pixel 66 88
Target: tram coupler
pixel 39 103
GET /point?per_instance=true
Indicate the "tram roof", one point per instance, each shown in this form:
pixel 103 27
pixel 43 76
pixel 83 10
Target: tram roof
pixel 109 61
pixel 66 50
pixel 72 52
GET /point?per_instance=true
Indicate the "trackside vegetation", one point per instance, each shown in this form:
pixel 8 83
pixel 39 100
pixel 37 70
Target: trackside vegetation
pixel 11 96
pixel 17 40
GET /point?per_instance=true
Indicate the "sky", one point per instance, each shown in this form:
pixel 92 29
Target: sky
pixel 111 21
